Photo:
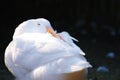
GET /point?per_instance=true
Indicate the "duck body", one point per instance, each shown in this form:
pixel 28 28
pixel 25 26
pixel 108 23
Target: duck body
pixel 41 56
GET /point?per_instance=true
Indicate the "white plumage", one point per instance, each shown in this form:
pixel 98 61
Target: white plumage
pixel 38 53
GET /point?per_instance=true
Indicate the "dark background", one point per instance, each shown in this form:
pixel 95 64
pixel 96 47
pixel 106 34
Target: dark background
pixel 95 23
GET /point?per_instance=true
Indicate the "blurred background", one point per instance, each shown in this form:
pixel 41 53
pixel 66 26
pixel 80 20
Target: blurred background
pixel 95 23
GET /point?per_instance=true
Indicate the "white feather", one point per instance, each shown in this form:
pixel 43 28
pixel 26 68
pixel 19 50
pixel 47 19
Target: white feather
pixel 34 55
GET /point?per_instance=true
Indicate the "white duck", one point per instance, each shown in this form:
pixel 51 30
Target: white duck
pixel 37 52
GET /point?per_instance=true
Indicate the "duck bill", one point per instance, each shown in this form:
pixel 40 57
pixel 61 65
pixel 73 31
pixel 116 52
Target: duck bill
pixel 52 32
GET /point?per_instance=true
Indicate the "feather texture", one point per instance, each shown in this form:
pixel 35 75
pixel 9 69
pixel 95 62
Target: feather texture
pixel 40 56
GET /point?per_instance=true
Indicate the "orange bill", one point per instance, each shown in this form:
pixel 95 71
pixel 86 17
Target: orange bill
pixel 53 33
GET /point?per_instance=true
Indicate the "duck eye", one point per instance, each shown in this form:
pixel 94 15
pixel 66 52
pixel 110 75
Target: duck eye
pixel 38 24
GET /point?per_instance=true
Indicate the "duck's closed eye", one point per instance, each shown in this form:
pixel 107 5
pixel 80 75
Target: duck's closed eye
pixel 38 24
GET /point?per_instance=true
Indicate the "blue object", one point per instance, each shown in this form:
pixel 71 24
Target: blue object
pixel 102 69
